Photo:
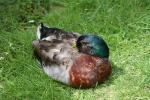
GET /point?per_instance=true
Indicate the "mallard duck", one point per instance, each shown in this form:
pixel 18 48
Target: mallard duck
pixel 80 61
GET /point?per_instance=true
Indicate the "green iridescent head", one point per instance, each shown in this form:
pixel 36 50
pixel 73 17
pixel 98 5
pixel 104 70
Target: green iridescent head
pixel 93 45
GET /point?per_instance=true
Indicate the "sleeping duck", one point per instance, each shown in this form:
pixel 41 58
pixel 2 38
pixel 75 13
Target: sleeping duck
pixel 80 61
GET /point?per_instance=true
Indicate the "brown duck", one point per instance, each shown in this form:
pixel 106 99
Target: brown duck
pixel 78 61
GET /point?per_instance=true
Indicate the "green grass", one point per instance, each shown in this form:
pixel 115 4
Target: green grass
pixel 124 24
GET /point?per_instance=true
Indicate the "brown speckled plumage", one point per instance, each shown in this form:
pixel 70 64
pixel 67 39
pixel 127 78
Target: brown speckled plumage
pixel 62 62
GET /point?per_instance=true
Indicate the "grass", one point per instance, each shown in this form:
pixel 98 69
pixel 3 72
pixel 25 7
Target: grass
pixel 124 24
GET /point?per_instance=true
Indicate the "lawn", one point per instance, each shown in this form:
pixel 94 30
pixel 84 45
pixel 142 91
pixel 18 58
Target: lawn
pixel 124 24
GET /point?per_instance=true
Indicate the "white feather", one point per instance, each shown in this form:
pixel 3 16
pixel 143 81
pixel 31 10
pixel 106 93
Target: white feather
pixel 58 72
pixel 38 32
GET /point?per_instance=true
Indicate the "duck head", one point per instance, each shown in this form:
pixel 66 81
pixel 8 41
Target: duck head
pixel 92 45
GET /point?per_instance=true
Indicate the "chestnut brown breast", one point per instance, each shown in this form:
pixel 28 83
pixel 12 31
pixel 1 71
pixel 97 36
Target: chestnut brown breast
pixel 87 70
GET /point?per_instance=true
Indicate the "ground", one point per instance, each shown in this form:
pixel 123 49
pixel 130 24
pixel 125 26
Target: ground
pixel 124 24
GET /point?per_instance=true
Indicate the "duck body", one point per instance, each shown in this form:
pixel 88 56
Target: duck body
pixel 72 66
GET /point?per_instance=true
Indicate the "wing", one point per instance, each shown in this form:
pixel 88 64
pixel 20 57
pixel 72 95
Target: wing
pixel 53 52
pixel 46 33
